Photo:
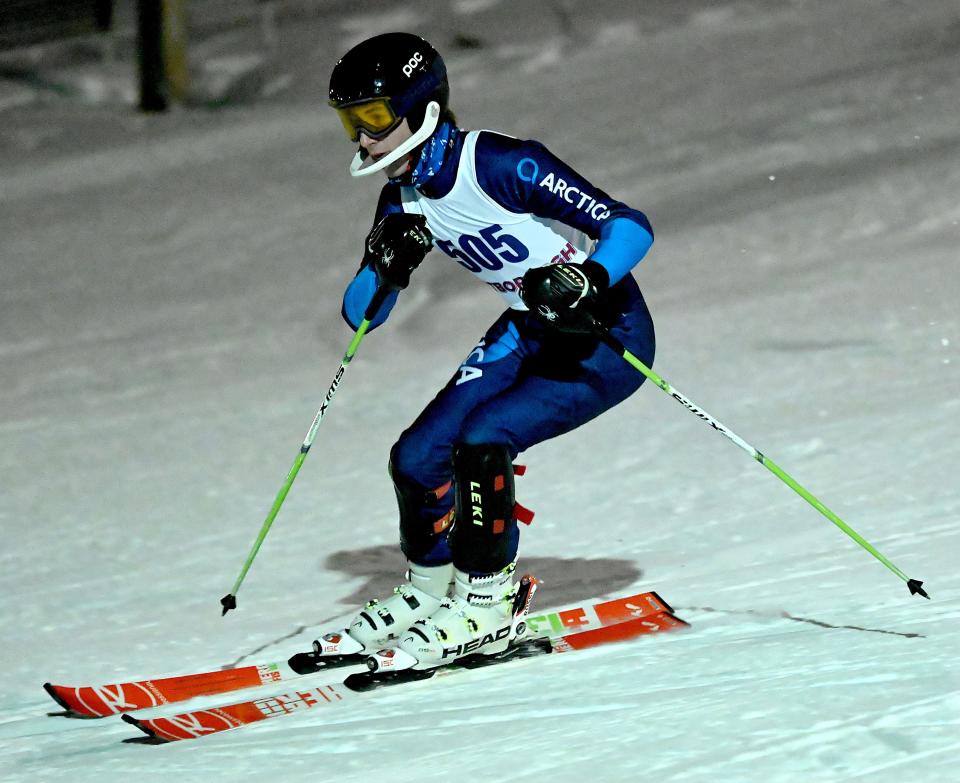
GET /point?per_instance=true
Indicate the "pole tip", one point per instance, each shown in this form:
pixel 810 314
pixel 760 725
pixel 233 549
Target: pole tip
pixel 228 602
pixel 916 586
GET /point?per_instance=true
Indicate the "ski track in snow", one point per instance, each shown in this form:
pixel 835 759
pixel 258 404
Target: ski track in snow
pixel 170 320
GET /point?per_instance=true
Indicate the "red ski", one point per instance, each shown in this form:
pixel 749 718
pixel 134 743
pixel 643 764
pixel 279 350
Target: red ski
pixel 97 701
pixel 200 723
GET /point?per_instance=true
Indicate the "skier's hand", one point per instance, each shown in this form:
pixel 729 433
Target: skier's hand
pixel 396 246
pixel 564 296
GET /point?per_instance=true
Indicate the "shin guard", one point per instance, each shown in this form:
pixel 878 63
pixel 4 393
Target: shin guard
pixel 485 536
pixel 425 516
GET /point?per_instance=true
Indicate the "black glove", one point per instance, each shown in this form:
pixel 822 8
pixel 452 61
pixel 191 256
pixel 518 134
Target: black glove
pixel 396 246
pixel 565 296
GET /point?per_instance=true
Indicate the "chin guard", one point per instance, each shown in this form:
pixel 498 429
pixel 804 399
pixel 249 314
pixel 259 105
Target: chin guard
pixel 361 167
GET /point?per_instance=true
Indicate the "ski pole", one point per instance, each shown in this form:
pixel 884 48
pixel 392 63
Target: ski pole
pixel 915 585
pixel 229 601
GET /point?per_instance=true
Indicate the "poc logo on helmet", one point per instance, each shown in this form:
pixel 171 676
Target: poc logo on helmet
pixel 412 63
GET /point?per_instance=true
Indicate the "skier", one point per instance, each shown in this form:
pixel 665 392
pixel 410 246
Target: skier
pixel 559 250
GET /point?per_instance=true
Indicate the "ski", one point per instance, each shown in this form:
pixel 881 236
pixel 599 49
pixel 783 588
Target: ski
pixel 98 701
pixel 203 722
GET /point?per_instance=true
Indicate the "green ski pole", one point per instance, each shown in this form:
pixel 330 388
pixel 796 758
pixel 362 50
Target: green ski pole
pixel 915 585
pixel 229 601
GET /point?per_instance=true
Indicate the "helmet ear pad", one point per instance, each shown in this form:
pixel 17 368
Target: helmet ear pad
pixel 440 96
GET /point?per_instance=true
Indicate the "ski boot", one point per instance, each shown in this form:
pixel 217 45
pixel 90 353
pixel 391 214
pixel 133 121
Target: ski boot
pixel 470 631
pixel 478 618
pixel 379 622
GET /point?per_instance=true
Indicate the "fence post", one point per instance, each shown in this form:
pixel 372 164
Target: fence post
pixel 162 53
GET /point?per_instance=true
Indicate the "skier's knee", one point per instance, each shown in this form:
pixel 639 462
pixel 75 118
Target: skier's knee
pixel 405 456
pixel 484 430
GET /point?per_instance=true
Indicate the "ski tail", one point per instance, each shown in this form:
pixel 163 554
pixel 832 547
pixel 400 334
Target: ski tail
pixel 618 632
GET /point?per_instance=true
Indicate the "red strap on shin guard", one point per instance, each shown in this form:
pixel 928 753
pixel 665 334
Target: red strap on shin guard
pixel 522 514
pixel 439 492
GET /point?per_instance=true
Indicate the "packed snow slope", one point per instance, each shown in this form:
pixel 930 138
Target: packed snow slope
pixel 169 322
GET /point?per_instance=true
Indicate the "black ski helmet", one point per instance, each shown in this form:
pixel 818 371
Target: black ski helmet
pixel 398 74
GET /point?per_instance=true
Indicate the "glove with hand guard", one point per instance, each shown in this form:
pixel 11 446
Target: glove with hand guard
pixel 396 246
pixel 565 297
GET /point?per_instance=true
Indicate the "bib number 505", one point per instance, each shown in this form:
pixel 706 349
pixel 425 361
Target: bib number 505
pixel 489 250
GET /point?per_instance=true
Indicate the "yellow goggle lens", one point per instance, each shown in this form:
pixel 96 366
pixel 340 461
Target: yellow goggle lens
pixel 375 117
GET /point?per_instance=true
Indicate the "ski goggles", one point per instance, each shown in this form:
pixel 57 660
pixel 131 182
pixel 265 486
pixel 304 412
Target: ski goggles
pixel 376 118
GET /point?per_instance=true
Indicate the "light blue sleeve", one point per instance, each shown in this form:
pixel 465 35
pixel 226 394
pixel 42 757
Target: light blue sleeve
pixel 357 298
pixel 623 242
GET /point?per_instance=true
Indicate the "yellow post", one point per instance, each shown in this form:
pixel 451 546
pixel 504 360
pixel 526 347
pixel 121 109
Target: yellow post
pixel 176 63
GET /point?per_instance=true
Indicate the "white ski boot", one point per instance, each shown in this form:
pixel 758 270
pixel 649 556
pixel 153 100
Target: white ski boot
pixel 478 618
pixel 380 621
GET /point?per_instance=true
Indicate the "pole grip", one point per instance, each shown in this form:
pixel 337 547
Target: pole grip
pixel 379 297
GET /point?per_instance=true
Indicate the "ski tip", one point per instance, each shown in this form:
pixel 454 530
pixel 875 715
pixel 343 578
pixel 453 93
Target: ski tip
pixel 153 738
pixel 916 586
pixel 228 602
pixel 52 690
pixel 74 710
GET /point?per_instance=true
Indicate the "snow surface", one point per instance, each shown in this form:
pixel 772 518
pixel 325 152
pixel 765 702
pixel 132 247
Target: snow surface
pixel 169 300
